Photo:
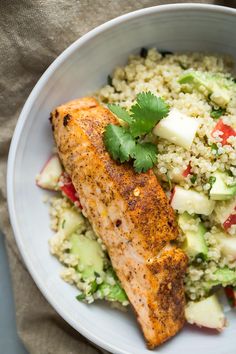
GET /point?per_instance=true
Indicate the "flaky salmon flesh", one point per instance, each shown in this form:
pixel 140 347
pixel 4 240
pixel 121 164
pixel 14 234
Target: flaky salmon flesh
pixel 130 213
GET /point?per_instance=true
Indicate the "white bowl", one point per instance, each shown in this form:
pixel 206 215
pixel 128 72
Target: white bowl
pixel 80 69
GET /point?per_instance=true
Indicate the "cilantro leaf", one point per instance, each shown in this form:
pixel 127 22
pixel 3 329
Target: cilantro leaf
pixel 123 143
pixel 120 112
pixel 146 113
pixel 122 146
pixel 145 156
pixel 119 142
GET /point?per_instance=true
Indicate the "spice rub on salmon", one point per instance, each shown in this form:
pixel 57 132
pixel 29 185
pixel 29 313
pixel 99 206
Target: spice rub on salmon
pixel 130 213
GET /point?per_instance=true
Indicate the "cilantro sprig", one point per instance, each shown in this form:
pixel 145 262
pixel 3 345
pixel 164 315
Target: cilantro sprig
pixel 125 143
pixel 119 143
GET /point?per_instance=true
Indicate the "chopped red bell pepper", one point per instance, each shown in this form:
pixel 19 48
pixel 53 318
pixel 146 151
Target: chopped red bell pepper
pixel 227 131
pixel 187 171
pixel 67 187
pixel 231 220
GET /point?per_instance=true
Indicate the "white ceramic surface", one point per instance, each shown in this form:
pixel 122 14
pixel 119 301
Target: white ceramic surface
pixel 82 68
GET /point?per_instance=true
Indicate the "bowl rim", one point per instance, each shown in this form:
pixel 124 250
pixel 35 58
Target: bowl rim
pixel 94 338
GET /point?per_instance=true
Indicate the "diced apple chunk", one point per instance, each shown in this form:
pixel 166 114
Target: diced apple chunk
pixel 226 243
pixel 206 313
pixel 178 174
pixel 225 213
pixel 221 97
pixel 220 190
pixel 230 221
pixel 178 128
pixel 50 174
pixel 191 201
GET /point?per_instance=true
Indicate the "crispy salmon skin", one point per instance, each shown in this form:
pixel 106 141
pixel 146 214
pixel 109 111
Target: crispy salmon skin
pixel 131 214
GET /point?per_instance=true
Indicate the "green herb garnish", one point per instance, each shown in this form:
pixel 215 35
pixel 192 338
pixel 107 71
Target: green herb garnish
pixel 217 113
pixel 63 224
pixel 146 113
pixel 109 80
pixel 212 180
pixel 80 297
pixel 119 142
pixel 120 112
pixel 215 148
pixel 145 157
pixel 94 287
pixel 193 179
pixel 125 143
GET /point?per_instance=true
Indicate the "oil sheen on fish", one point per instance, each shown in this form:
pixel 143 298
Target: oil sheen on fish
pixel 130 213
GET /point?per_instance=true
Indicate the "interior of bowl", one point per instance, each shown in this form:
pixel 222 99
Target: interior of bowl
pixel 82 69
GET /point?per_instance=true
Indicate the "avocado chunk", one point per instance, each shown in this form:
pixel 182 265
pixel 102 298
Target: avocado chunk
pixel 110 289
pixel 213 86
pixel 194 244
pixel 70 221
pixel 89 253
pixel 220 190
pixel 207 313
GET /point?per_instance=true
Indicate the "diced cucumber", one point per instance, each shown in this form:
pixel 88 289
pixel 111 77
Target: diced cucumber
pixel 70 221
pixel 89 253
pixel 191 201
pixel 194 244
pixel 112 292
pixel 220 190
pixel 207 313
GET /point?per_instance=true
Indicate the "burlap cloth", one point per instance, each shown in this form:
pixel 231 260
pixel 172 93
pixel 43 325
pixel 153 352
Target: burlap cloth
pixel 33 33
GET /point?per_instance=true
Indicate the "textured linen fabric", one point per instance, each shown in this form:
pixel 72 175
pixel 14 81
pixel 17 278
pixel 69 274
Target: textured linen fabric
pixel 33 33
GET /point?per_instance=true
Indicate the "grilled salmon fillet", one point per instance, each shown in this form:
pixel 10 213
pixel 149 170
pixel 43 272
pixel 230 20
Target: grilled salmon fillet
pixel 130 213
